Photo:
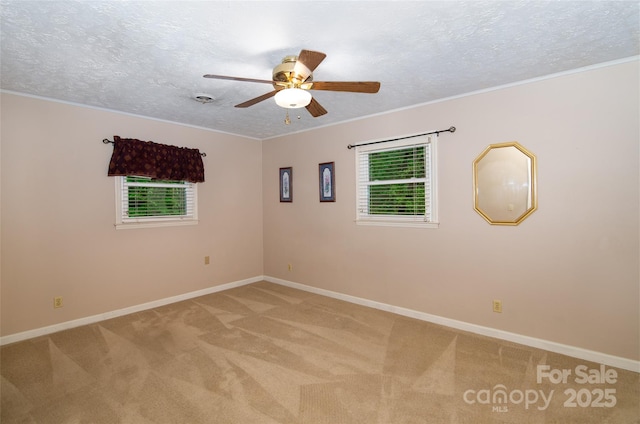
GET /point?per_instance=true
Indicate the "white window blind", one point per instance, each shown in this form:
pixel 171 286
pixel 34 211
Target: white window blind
pixel 397 182
pixel 143 201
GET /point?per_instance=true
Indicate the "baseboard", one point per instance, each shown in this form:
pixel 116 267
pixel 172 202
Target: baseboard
pixel 12 338
pixel 575 352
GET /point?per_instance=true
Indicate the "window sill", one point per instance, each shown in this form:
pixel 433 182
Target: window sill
pixel 155 224
pixel 396 223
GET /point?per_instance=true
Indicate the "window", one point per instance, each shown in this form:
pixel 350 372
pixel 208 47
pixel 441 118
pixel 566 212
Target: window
pixel 148 202
pixel 396 183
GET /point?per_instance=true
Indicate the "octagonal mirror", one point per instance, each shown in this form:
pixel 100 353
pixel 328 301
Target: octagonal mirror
pixel 504 184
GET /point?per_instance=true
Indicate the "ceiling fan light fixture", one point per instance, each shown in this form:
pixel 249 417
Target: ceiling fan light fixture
pixel 293 98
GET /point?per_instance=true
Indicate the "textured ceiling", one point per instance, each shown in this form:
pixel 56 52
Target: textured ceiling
pixel 148 57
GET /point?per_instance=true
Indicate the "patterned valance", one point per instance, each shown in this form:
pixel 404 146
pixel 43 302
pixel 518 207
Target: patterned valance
pixel 149 159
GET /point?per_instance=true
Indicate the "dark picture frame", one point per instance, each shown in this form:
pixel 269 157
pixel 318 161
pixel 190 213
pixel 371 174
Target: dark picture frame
pixel 327 180
pixel 286 184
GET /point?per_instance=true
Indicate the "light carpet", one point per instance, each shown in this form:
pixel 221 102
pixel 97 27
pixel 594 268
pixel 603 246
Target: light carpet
pixel 267 354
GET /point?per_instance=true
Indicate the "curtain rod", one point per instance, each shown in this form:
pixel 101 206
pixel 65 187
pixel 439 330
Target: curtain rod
pixel 450 129
pixel 107 141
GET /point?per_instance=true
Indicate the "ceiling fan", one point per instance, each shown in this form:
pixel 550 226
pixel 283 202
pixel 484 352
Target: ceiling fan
pixel 293 79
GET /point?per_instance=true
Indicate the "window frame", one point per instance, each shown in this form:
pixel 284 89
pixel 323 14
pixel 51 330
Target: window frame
pixel 125 222
pixel 430 141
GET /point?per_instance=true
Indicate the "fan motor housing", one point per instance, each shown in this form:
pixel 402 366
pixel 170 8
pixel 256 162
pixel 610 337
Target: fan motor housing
pixel 285 72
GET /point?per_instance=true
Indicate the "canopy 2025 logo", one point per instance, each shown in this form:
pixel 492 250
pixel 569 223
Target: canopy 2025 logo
pixel 499 397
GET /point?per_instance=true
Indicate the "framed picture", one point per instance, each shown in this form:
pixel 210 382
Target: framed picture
pixel 327 180
pixel 286 184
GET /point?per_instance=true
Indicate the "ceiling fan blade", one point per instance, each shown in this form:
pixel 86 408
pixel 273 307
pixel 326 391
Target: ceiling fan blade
pixel 224 77
pixel 258 99
pixel 350 86
pixel 315 108
pixel 310 59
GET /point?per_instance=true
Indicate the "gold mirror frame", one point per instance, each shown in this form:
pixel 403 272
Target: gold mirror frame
pixel 504 184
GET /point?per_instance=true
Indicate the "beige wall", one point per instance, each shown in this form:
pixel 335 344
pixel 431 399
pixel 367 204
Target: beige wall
pixel 58 212
pixel 568 274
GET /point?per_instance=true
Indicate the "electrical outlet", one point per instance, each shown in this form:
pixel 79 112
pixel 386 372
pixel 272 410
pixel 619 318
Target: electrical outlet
pixel 290 267
pixel 497 306
pixel 57 302
pixel 206 260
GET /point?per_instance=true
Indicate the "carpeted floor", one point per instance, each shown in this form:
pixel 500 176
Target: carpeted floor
pixel 265 353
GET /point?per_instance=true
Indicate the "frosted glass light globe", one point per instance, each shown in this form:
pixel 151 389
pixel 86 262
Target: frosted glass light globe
pixel 293 98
